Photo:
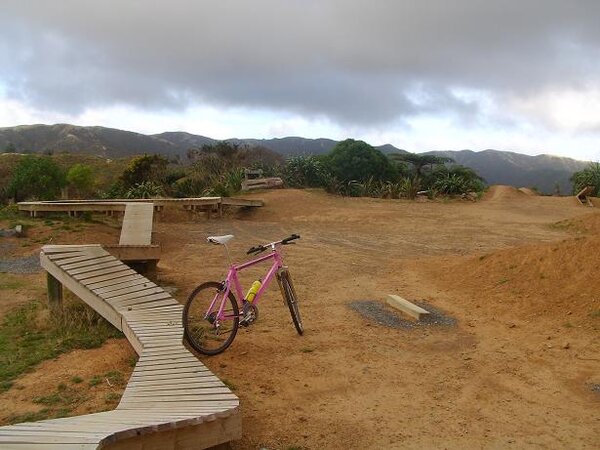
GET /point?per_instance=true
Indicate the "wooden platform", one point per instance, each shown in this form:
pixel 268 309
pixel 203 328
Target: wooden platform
pixel 172 401
pixel 72 207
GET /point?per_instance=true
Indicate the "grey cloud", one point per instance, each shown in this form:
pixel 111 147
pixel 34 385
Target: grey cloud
pixel 354 62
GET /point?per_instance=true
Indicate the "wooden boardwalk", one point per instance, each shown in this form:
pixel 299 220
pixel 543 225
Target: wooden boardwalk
pixel 72 207
pixel 172 401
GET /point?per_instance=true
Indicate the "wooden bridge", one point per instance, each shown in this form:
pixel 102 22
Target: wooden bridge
pixel 172 401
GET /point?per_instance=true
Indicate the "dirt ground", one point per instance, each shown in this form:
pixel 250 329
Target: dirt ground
pixel 520 369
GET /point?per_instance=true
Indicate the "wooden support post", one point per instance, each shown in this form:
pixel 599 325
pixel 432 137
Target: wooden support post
pixel 55 294
pixel 220 208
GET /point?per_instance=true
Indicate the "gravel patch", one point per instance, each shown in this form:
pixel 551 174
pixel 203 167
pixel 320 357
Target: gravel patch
pixel 596 388
pixel 27 264
pixel 383 315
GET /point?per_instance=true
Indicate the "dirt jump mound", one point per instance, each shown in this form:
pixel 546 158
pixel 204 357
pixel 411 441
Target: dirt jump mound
pixel 507 193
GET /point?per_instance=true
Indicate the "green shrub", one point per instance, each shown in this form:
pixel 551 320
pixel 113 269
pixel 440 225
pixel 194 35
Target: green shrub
pixel 590 176
pixel 352 160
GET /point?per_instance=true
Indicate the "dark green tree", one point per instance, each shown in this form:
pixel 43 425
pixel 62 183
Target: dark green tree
pixel 419 162
pixel 145 168
pixel 36 177
pixel 590 176
pixel 352 160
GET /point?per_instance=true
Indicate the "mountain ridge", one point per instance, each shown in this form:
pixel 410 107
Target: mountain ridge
pixel 544 172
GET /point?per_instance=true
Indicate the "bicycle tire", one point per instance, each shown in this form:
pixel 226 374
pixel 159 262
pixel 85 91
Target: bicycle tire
pixel 291 299
pixel 198 331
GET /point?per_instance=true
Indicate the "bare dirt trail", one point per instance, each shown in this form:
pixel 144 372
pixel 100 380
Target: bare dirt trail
pixel 349 383
pixel 494 380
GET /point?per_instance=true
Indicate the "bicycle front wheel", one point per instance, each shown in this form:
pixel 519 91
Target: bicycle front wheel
pixel 203 329
pixel 289 294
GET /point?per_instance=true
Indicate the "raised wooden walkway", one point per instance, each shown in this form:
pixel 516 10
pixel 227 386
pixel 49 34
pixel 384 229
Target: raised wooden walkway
pixel 118 205
pixel 172 401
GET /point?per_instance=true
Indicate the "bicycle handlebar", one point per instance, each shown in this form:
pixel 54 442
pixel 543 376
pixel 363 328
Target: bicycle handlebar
pixel 262 248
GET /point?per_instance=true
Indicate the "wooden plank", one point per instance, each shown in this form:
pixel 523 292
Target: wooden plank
pixel 117 289
pixel 99 260
pixel 101 263
pixel 93 275
pixel 144 299
pixel 137 224
pixel 115 282
pixel 407 307
pixel 148 305
pixel 122 272
pixel 133 293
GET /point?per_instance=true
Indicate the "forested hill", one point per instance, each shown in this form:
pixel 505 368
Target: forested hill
pixel 543 171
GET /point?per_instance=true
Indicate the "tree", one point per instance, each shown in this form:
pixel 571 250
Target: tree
pixel 80 177
pixel 420 161
pixel 590 176
pixel 352 160
pixel 145 168
pixel 305 171
pixel 36 177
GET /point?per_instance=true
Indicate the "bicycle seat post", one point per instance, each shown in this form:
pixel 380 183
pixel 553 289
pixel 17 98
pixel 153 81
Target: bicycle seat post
pixel 228 255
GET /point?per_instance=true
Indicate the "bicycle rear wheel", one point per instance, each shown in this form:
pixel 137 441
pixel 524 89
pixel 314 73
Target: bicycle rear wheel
pixel 204 332
pixel 290 297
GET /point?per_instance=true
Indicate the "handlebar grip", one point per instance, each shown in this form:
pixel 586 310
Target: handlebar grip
pixel 258 249
pixel 289 239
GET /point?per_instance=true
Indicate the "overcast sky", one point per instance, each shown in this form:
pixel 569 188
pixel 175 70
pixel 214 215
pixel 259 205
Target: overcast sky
pixel 423 75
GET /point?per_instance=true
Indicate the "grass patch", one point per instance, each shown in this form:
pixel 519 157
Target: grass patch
pixel 8 282
pixel 95 381
pixel 29 335
pixel 42 414
pixel 502 281
pixel 112 397
pixel 595 314
pixel 307 350
pixel 76 379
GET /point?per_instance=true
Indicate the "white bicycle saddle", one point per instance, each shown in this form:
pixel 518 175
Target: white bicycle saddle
pixel 220 239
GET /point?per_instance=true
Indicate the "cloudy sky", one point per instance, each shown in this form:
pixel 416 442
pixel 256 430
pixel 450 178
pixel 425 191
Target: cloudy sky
pixel 423 75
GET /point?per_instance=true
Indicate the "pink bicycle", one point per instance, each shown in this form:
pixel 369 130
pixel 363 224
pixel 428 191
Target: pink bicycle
pixel 212 314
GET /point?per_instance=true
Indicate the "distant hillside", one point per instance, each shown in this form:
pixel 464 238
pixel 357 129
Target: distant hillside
pixel 113 143
pixel 542 172
pixel 100 141
pixel 515 169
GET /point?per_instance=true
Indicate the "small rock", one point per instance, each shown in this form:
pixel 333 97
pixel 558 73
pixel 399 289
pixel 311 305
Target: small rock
pixel 511 325
pixel 566 346
pixel 569 313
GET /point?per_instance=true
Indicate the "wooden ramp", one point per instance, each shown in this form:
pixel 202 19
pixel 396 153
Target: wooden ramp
pixel 172 401
pixel 137 224
pixel 584 196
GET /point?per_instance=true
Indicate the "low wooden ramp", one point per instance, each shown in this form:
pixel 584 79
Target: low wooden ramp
pixel 137 224
pixel 172 401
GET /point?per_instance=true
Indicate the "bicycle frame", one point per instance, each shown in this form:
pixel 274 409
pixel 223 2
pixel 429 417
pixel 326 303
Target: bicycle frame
pixel 232 280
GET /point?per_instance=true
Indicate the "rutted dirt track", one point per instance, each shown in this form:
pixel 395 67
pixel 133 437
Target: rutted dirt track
pixel 516 372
